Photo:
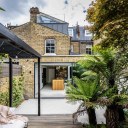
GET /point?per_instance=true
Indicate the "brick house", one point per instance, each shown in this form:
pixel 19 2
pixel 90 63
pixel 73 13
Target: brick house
pixel 51 38
pixel 81 40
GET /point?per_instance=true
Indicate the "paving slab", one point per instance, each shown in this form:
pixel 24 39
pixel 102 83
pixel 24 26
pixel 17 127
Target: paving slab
pixel 57 107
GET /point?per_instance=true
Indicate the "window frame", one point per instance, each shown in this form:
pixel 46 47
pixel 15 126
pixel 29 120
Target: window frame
pixel 87 31
pixel 71 34
pixel 89 49
pixel 49 46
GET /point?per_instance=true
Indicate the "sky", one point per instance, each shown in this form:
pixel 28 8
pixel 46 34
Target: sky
pixel 17 11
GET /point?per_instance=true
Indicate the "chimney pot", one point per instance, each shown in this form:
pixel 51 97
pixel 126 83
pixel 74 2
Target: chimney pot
pixel 33 14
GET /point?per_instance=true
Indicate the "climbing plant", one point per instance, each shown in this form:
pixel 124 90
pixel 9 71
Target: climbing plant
pixel 17 92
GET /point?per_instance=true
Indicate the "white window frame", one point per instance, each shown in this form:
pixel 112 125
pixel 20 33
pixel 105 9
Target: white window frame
pixel 89 33
pixel 70 34
pixel 54 47
pixel 89 47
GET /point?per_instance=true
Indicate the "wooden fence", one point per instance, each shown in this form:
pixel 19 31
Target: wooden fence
pixel 4 70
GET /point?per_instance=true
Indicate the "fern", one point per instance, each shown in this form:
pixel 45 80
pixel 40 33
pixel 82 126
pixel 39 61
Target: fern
pixel 84 91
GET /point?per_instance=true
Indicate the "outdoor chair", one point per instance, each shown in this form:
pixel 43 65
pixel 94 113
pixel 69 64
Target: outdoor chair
pixel 8 118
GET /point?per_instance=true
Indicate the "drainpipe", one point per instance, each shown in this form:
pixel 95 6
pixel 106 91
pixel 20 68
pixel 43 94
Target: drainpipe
pixel 70 46
pixel 79 47
pixel 72 73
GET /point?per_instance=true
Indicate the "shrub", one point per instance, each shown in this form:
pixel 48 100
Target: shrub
pixel 17 90
pixel 17 93
pixel 4 98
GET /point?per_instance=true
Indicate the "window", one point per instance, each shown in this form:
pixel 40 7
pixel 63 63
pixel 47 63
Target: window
pixel 87 33
pixel 50 46
pixel 47 20
pixel 88 49
pixel 70 32
pixel 43 19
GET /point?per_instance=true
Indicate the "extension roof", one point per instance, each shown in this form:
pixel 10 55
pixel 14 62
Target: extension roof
pixel 14 46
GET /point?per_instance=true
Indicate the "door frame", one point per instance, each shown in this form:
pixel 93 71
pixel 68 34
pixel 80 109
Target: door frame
pixel 70 64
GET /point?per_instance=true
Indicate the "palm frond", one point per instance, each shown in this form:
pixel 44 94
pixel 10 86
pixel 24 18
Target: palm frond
pixel 84 91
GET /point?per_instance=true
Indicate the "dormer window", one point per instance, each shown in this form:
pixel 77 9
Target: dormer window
pixel 88 33
pixel 70 32
pixel 50 46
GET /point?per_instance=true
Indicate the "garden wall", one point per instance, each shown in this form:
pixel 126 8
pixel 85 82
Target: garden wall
pixel 4 75
pixel 18 84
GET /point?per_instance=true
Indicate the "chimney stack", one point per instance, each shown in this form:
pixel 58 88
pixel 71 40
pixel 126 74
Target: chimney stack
pixel 33 14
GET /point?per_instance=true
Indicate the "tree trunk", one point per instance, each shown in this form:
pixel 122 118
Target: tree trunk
pixel 120 108
pixel 121 113
pixel 112 117
pixel 92 116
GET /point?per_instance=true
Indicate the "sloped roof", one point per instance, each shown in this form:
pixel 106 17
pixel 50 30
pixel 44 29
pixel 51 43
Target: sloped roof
pixel 53 23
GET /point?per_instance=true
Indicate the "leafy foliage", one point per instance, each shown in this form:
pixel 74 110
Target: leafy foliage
pixel 109 22
pixel 78 70
pixel 109 65
pixel 86 92
pixel 101 82
pixel 17 93
pixel 112 98
pixel 4 98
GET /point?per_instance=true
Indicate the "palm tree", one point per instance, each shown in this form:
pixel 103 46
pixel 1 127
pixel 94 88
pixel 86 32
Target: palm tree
pixel 78 70
pixel 87 92
pixel 111 67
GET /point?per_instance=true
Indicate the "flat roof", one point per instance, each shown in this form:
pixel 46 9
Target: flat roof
pixel 14 46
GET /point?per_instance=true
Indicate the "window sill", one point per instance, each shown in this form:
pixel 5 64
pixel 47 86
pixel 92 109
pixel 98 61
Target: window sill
pixel 50 54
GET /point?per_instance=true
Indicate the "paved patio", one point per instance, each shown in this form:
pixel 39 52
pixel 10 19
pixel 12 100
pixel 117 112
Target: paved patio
pixel 56 107
pixel 48 106
pixel 55 103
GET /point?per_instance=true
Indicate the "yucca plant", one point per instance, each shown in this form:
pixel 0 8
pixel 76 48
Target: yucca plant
pixel 87 93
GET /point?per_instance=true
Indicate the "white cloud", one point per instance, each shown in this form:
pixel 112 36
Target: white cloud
pixel 19 14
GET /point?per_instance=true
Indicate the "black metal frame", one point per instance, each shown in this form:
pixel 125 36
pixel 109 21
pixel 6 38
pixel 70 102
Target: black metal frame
pixel 38 86
pixel 10 81
pixel 13 46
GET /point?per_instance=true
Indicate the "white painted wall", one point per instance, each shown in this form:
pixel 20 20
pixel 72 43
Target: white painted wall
pixel 36 78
